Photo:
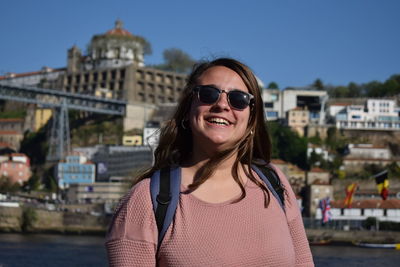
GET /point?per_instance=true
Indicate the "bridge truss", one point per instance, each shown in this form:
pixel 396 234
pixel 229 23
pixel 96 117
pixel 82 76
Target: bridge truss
pixel 61 102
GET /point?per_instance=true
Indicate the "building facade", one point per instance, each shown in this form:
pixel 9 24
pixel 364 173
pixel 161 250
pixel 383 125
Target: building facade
pixel 16 167
pixel 76 170
pixel 363 154
pixel 114 162
pixel 298 119
pixel 99 192
pixel 279 102
pixel 112 68
pixel 374 114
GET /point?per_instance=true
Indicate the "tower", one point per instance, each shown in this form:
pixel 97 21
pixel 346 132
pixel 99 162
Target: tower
pixel 74 59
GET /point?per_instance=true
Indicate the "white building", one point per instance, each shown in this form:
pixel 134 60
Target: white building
pixel 151 134
pixel 277 103
pixel 388 210
pixel 375 114
pixel 362 154
pixel 369 151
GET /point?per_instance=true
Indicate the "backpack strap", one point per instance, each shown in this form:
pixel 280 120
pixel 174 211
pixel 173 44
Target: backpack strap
pixel 165 190
pixel 272 181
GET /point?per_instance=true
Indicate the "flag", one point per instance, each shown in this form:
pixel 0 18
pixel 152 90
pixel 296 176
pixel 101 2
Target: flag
pixel 350 189
pixel 325 206
pixel 382 182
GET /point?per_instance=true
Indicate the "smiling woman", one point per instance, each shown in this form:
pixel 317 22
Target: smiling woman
pixel 226 216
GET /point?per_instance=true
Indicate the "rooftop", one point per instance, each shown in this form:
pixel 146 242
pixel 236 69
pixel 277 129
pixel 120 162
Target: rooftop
pixel 369 204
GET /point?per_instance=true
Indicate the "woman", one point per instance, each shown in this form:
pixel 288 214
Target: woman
pixel 226 215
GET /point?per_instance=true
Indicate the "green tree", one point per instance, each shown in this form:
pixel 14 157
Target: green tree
pixel 354 90
pixel 339 91
pixel 288 145
pixel 33 183
pixel 391 87
pixel 395 77
pixel 34 145
pixel 273 85
pixel 318 84
pixel 374 89
pixel 7 186
pixel 29 217
pixel 176 60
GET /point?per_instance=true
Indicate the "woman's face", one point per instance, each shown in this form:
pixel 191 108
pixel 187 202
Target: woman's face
pixel 218 126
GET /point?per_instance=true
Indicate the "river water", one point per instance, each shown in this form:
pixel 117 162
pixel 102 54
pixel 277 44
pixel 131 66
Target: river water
pixel 18 250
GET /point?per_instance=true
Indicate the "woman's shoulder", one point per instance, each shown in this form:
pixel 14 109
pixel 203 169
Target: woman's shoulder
pixel 133 218
pixel 139 192
pixel 278 171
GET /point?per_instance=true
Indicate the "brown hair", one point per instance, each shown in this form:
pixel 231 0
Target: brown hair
pixel 176 141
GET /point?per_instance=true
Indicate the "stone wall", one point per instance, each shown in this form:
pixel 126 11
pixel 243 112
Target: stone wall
pixel 53 221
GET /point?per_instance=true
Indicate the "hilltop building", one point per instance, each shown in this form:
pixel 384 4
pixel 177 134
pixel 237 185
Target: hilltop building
pixel 298 118
pixel 12 132
pixel 278 102
pixel 373 115
pixel 114 68
pixel 362 154
pixel 301 108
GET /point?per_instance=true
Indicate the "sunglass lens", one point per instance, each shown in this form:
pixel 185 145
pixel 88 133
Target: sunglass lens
pixel 238 100
pixel 208 95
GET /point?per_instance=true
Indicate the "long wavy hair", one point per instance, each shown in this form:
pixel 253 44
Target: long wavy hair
pixel 175 143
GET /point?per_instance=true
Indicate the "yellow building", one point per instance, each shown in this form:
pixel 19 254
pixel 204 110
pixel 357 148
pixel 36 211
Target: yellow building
pixel 42 116
pixel 132 140
pixel 298 119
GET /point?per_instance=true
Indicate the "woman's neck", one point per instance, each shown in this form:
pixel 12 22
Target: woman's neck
pixel 222 171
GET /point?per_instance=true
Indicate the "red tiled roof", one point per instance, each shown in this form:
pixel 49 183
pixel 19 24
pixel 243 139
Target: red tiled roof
pixel 26 74
pixel 367 159
pixel 18 155
pixel 340 104
pixel 4 144
pixel 278 162
pixel 369 147
pixel 120 32
pixel 299 109
pixel 10 132
pixel 369 204
pixel 295 168
pixel 12 120
pixel 316 169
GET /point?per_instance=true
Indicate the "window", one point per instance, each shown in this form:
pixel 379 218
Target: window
pixel 269 104
pixel 274 97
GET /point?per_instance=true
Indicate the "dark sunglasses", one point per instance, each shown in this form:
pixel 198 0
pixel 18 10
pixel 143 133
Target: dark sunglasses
pixel 209 95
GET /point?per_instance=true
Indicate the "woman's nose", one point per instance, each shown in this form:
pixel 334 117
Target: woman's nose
pixel 223 101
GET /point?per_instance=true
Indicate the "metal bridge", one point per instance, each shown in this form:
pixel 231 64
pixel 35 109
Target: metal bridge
pixel 61 102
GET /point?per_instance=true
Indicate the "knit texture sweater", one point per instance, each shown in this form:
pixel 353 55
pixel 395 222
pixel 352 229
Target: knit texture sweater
pixel 208 234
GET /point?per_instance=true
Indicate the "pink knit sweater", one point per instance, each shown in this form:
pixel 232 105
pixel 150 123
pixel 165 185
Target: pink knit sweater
pixel 205 234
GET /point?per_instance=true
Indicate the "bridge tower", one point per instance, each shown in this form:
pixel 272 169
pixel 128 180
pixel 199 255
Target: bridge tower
pixel 60 142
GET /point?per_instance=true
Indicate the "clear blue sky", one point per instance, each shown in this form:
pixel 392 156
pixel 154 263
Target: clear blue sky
pixel 291 42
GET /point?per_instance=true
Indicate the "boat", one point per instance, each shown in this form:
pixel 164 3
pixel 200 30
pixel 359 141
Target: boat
pixel 319 242
pixel 373 245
